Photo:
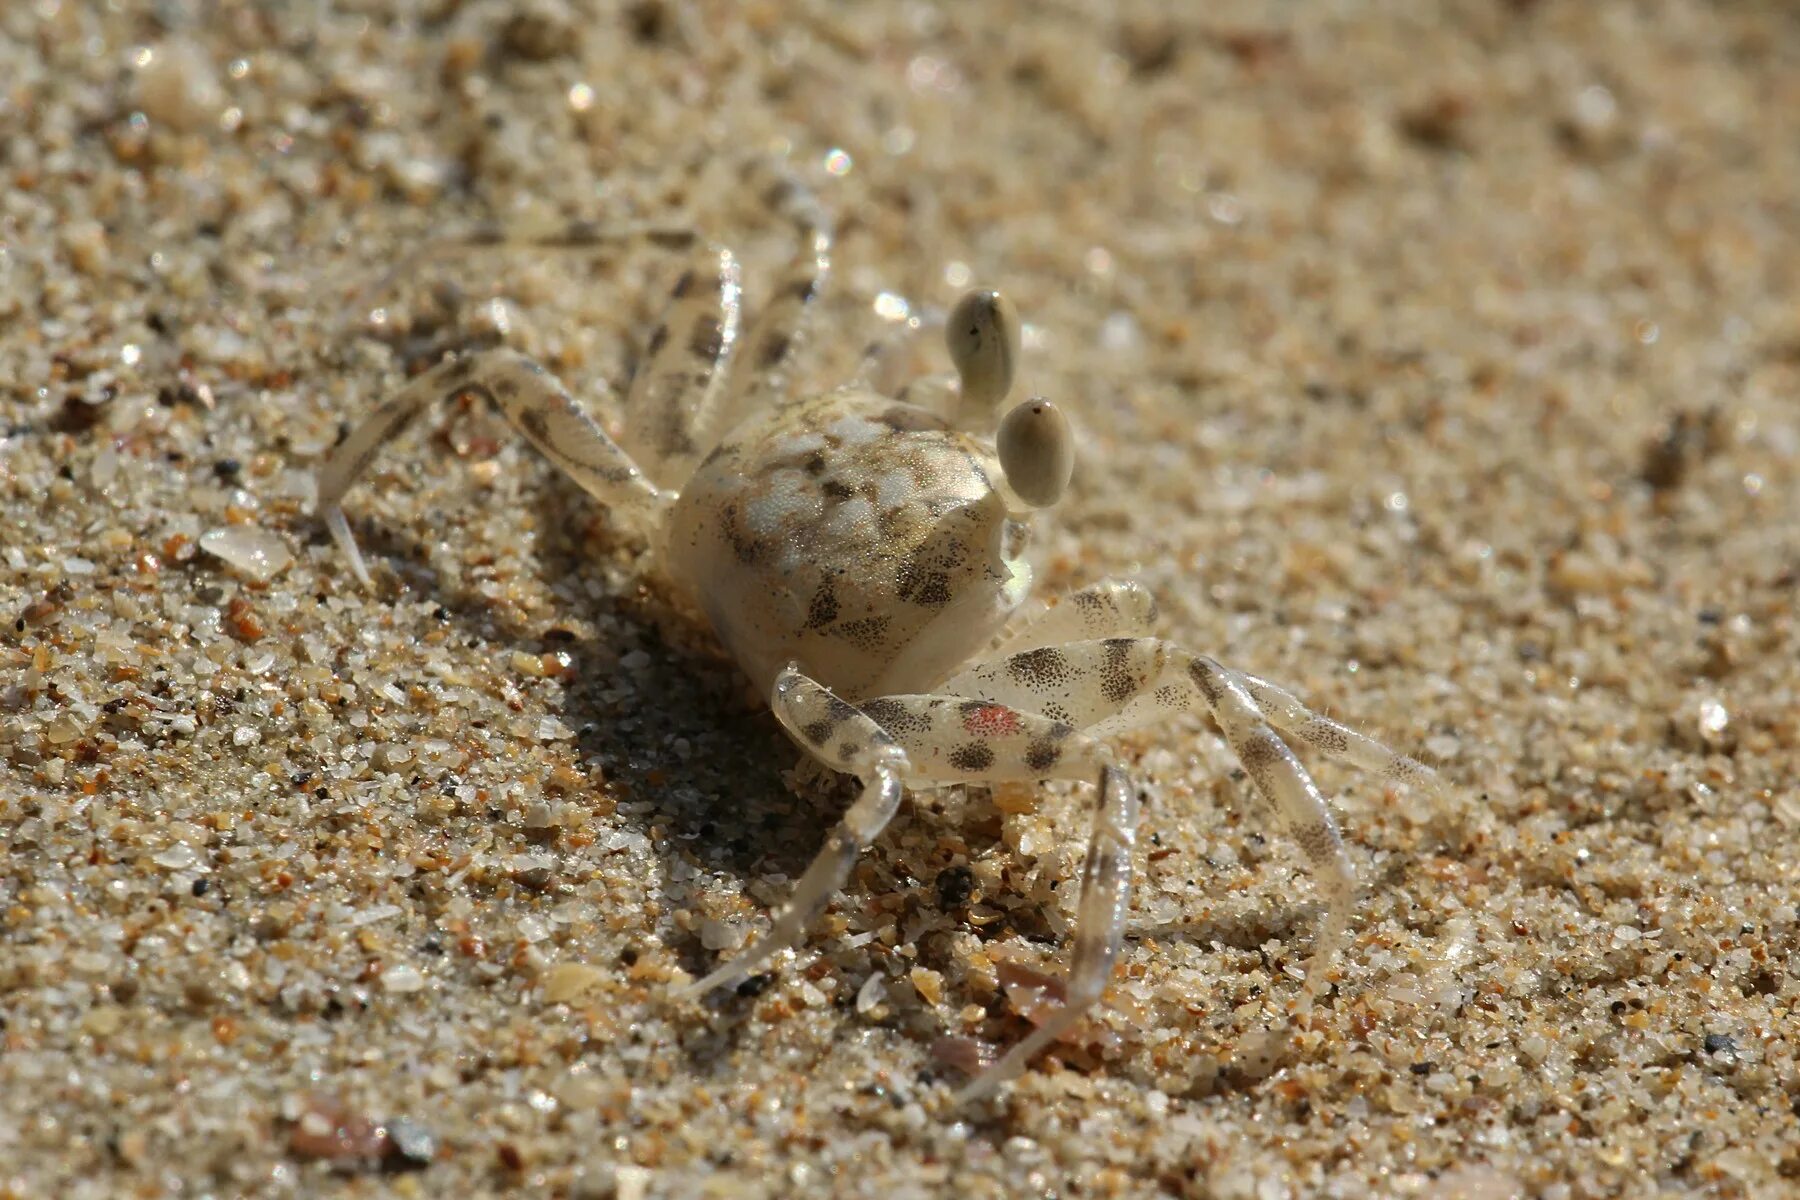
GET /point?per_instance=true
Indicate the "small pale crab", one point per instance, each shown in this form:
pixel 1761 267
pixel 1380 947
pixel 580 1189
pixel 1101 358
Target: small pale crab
pixel 862 559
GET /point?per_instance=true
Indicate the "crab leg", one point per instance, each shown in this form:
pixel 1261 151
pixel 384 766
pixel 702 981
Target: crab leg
pixel 1110 608
pixel 536 404
pixel 760 374
pixel 935 740
pixel 677 389
pixel 1105 687
pixel 858 746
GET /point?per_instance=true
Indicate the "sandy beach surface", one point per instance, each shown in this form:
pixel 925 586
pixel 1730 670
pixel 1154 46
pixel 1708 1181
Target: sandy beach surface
pixel 1441 362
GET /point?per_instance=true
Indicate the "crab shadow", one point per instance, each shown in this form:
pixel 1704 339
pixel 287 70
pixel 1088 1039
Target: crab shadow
pixel 700 758
pixel 693 750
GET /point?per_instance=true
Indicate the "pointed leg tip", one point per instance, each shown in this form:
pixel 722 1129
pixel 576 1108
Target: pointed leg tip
pixel 339 525
pixel 968 1095
pixel 1427 779
pixel 726 976
pixel 984 1086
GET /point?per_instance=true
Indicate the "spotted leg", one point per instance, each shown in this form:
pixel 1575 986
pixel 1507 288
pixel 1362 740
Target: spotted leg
pixel 936 740
pixel 847 740
pixel 536 404
pixel 673 398
pixel 1284 711
pixel 1105 687
pixel 1110 608
pixel 760 373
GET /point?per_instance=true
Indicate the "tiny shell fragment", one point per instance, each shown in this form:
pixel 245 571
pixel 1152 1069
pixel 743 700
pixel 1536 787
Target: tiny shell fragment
pixel 1037 997
pixel 256 553
pixel 567 981
pixel 967 1055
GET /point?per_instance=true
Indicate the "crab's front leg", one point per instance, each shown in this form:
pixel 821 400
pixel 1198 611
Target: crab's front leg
pixel 1110 608
pixel 848 741
pixel 936 740
pixel 1108 686
pixel 537 405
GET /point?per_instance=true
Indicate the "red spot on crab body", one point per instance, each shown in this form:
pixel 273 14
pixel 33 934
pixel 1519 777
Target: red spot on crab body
pixel 991 720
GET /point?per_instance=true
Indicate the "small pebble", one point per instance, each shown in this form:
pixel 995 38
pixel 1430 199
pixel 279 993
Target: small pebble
pixel 954 887
pixel 177 858
pixel 928 983
pixel 413 1144
pixel 178 86
pixel 402 978
pixel 85 243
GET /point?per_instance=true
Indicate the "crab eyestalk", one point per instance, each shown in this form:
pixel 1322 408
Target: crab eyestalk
pixel 1037 452
pixel 983 338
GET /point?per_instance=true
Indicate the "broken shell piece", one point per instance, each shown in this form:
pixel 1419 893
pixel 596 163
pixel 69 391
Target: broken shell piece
pixel 966 1054
pixel 1037 997
pixel 256 553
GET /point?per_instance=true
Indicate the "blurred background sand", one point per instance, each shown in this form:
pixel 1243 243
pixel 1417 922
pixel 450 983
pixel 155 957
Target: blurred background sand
pixel 1437 361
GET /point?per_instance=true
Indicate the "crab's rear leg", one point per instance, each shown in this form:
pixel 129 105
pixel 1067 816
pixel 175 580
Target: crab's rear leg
pixel 936 740
pixel 1105 687
pixel 674 397
pixel 761 371
pixel 537 405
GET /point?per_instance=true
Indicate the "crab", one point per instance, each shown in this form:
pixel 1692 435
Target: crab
pixel 862 558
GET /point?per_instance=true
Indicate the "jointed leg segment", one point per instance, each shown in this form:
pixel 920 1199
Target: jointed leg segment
pixel 685 393
pixel 536 404
pixel 760 375
pixel 1105 687
pixel 847 741
pixel 1100 927
pixel 674 397
pixel 1110 608
pixel 932 740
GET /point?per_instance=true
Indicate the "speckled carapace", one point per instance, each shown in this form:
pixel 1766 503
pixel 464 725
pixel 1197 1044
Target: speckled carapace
pixel 856 535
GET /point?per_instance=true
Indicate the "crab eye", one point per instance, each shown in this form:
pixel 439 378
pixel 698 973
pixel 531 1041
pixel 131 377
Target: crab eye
pixel 983 339
pixel 1037 452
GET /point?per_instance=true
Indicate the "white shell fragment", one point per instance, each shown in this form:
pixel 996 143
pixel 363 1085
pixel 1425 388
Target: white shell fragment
pixel 256 553
pixel 403 978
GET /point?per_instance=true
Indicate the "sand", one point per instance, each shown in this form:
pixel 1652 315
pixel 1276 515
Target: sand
pixel 1439 363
